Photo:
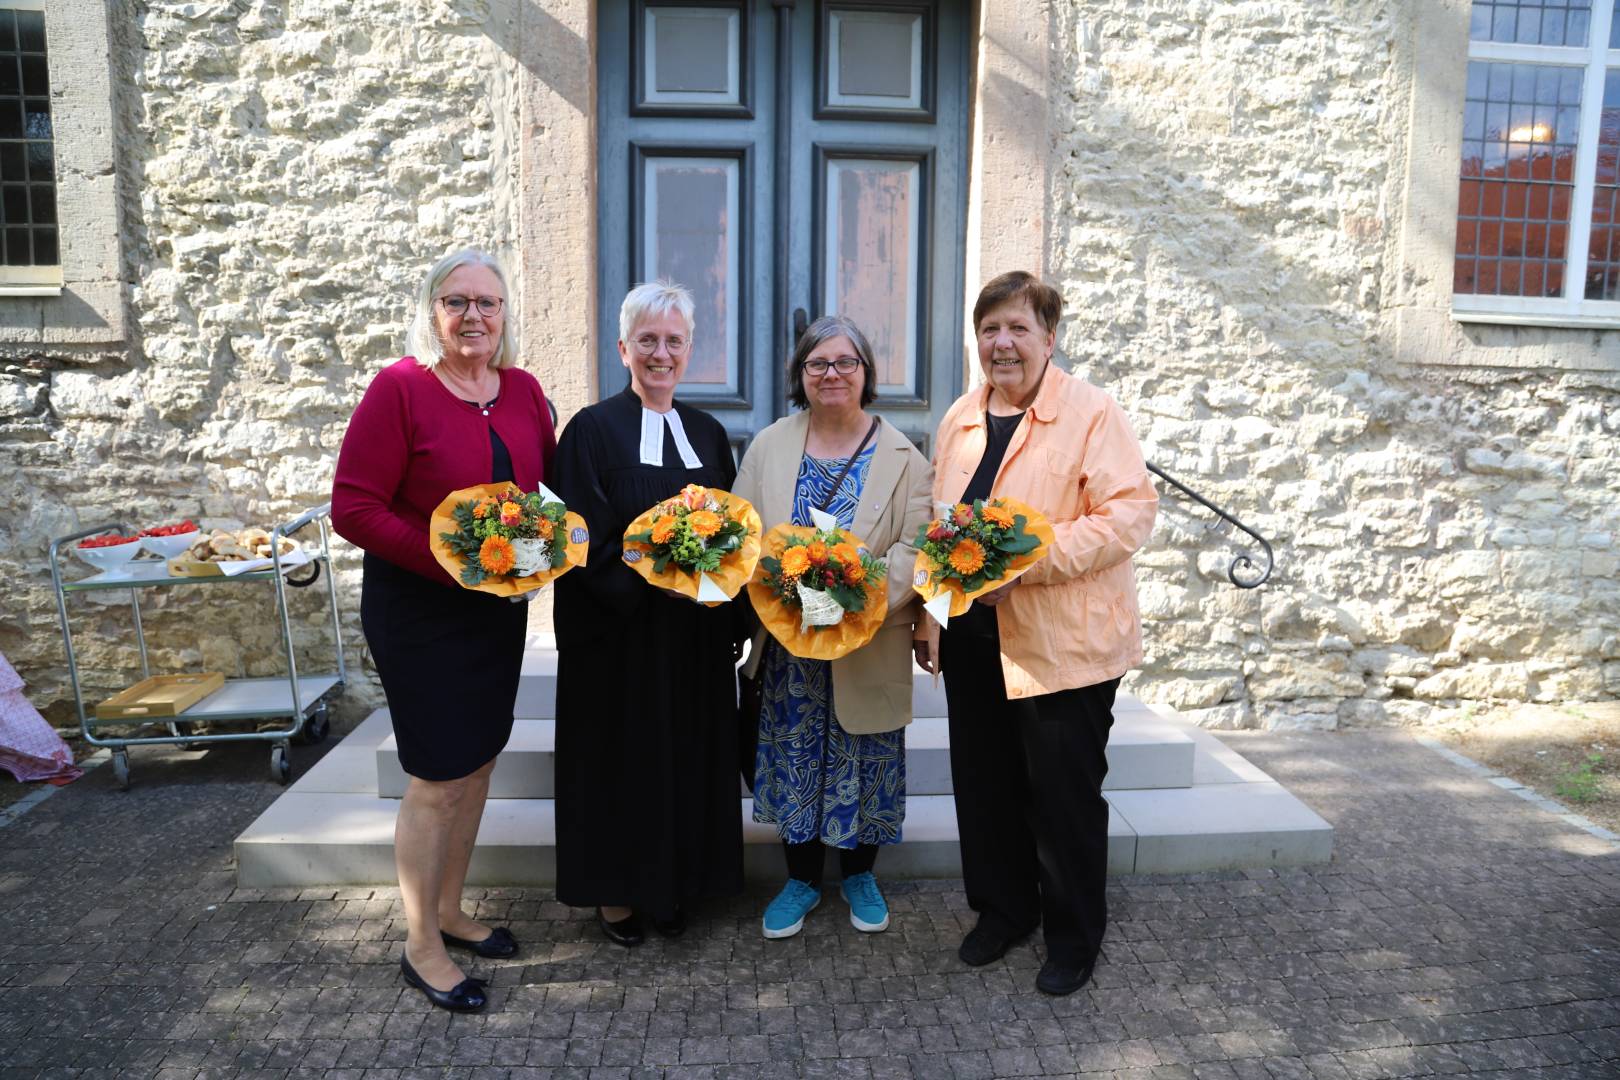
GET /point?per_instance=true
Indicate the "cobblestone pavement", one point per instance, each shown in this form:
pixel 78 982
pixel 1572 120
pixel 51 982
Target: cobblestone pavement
pixel 1458 930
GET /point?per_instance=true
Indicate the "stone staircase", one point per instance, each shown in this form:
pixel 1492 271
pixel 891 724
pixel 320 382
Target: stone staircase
pixel 1181 802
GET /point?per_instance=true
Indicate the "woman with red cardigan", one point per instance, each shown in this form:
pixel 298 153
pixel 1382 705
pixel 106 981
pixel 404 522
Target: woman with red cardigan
pixel 458 413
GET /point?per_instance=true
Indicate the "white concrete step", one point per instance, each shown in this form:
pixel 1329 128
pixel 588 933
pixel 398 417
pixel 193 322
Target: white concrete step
pixel 331 826
pixel 1144 751
pixel 537 689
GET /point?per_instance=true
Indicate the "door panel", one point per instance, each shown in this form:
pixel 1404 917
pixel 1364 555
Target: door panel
pixel 871 199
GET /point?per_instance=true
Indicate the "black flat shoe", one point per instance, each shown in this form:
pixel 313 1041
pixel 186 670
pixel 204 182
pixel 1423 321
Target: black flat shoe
pixel 672 927
pixel 466 996
pixel 498 946
pixel 626 931
pixel 985 944
pixel 1059 979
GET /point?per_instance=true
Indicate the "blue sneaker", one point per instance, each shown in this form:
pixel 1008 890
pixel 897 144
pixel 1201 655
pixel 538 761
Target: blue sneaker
pixel 867 911
pixel 784 916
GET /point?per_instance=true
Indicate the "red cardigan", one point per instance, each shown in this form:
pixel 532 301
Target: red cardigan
pixel 411 442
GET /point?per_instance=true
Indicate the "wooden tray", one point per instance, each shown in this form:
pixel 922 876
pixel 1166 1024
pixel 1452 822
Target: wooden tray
pixel 161 695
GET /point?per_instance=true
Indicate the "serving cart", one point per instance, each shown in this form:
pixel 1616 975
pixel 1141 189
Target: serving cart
pixel 299 700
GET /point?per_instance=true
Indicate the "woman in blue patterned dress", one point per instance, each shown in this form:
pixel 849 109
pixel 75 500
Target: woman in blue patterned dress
pixel 830 769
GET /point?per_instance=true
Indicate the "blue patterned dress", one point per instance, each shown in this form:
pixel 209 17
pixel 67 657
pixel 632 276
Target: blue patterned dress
pixel 812 779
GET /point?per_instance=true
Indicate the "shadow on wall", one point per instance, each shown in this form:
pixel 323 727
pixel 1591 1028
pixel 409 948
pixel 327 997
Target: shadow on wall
pixel 548 49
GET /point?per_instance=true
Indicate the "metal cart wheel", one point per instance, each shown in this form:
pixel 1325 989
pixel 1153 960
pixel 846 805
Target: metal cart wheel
pixel 280 764
pixel 120 763
pixel 317 728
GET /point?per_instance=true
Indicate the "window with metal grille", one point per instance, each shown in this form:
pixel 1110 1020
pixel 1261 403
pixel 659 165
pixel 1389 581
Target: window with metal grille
pixel 28 220
pixel 1538 208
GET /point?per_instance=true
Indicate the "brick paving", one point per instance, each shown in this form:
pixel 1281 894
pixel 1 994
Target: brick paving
pixel 1459 930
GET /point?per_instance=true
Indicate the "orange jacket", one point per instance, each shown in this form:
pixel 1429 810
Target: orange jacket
pixel 1073 619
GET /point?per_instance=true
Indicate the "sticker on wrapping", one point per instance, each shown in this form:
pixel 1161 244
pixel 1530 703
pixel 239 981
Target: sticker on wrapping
pixel 633 555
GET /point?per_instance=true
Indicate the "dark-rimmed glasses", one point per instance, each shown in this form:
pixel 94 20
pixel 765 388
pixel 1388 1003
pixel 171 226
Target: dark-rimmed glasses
pixel 844 365
pixel 488 306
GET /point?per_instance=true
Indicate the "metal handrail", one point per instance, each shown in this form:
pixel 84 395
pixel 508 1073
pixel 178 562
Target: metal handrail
pixel 1242 560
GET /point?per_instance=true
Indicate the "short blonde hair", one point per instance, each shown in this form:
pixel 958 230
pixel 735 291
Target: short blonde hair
pixel 424 336
pixel 654 298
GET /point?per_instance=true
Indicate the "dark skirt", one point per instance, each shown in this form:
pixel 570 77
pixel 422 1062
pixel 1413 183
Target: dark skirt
pixel 449 660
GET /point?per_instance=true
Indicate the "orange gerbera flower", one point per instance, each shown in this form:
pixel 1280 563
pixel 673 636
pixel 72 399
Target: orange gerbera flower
pixel 854 573
pixel 704 522
pixel 817 552
pixel 967 557
pixel 496 556
pixel 795 561
pixel 545 526
pixel 998 515
pixel 846 553
pixel 482 509
pixel 663 530
pixel 511 513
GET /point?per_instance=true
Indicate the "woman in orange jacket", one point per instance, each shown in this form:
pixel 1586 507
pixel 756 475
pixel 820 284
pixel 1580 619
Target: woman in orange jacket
pixel 1032 668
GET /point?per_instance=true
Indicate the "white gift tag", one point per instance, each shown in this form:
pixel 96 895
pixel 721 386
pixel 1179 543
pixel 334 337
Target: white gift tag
pixel 822 520
pixel 547 495
pixel 940 608
pixel 709 592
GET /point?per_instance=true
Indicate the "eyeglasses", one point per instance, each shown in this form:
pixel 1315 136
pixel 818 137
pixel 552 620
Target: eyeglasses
pixel 647 344
pixel 844 365
pixel 488 306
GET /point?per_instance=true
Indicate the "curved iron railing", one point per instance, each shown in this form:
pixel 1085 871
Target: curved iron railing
pixel 1253 575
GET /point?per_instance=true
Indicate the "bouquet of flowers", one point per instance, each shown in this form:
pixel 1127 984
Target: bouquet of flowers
pixel 495 538
pixel 819 591
pixel 970 550
pixel 703 543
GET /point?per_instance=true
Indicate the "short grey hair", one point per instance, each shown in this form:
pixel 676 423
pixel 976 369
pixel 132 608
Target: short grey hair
pixel 824 329
pixel 423 338
pixel 652 299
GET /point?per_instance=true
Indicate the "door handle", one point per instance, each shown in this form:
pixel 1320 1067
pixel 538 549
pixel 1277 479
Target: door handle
pixel 801 321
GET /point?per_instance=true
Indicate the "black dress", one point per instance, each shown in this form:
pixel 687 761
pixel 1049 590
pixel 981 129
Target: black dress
pixel 648 809
pixel 449 660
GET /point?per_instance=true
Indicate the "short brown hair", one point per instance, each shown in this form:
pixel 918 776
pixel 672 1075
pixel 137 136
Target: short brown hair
pixel 1020 285
pixel 823 329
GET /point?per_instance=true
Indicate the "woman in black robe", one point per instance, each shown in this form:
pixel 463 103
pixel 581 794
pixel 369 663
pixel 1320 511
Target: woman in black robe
pixel 648 809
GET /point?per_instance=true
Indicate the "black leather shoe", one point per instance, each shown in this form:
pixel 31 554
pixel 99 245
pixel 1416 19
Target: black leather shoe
pixel 985 944
pixel 466 996
pixel 626 932
pixel 1059 979
pixel 673 927
pixel 498 946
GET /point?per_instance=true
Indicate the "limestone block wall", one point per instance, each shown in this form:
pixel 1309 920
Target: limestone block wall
pixel 1224 188
pixel 287 174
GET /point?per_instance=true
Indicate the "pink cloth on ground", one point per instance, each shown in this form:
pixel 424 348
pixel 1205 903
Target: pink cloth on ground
pixel 29 748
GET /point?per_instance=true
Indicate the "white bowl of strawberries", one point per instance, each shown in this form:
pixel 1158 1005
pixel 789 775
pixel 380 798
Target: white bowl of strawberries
pixel 108 552
pixel 170 541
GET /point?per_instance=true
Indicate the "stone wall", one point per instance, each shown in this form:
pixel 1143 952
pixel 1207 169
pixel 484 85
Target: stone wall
pixel 1224 188
pixel 288 172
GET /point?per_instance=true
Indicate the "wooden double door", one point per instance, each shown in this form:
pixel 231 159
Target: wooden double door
pixel 785 159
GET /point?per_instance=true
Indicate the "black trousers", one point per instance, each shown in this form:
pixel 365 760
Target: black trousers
pixel 1033 823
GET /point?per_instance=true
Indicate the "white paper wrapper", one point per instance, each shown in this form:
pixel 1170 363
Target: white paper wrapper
pixel 709 592
pixel 817 608
pixel 940 608
pixel 822 520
